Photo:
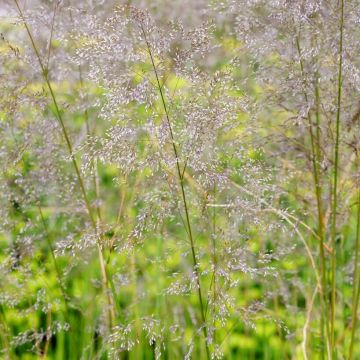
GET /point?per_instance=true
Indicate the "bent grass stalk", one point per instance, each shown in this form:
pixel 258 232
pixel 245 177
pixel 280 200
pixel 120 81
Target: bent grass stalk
pixel 183 194
pixel 307 323
pixel 290 219
pixel 45 73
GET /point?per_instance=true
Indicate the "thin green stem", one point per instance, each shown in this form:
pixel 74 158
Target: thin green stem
pixel 183 195
pixel 315 159
pixel 335 183
pixel 356 280
pixel 214 260
pixel 45 73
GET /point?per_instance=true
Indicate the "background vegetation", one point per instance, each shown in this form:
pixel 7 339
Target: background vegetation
pixel 179 179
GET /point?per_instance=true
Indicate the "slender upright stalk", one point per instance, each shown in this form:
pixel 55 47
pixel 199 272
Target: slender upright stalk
pixel 183 195
pixel 322 230
pixel 45 74
pixel 315 160
pixel 356 280
pixel 214 261
pixel 335 183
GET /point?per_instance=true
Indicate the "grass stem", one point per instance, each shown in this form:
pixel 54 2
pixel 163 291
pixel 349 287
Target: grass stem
pixel 356 280
pixel 335 183
pixel 183 195
pixel 45 74
pixel 315 159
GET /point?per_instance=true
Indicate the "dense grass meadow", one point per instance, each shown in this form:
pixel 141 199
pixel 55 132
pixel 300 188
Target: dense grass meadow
pixel 180 179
